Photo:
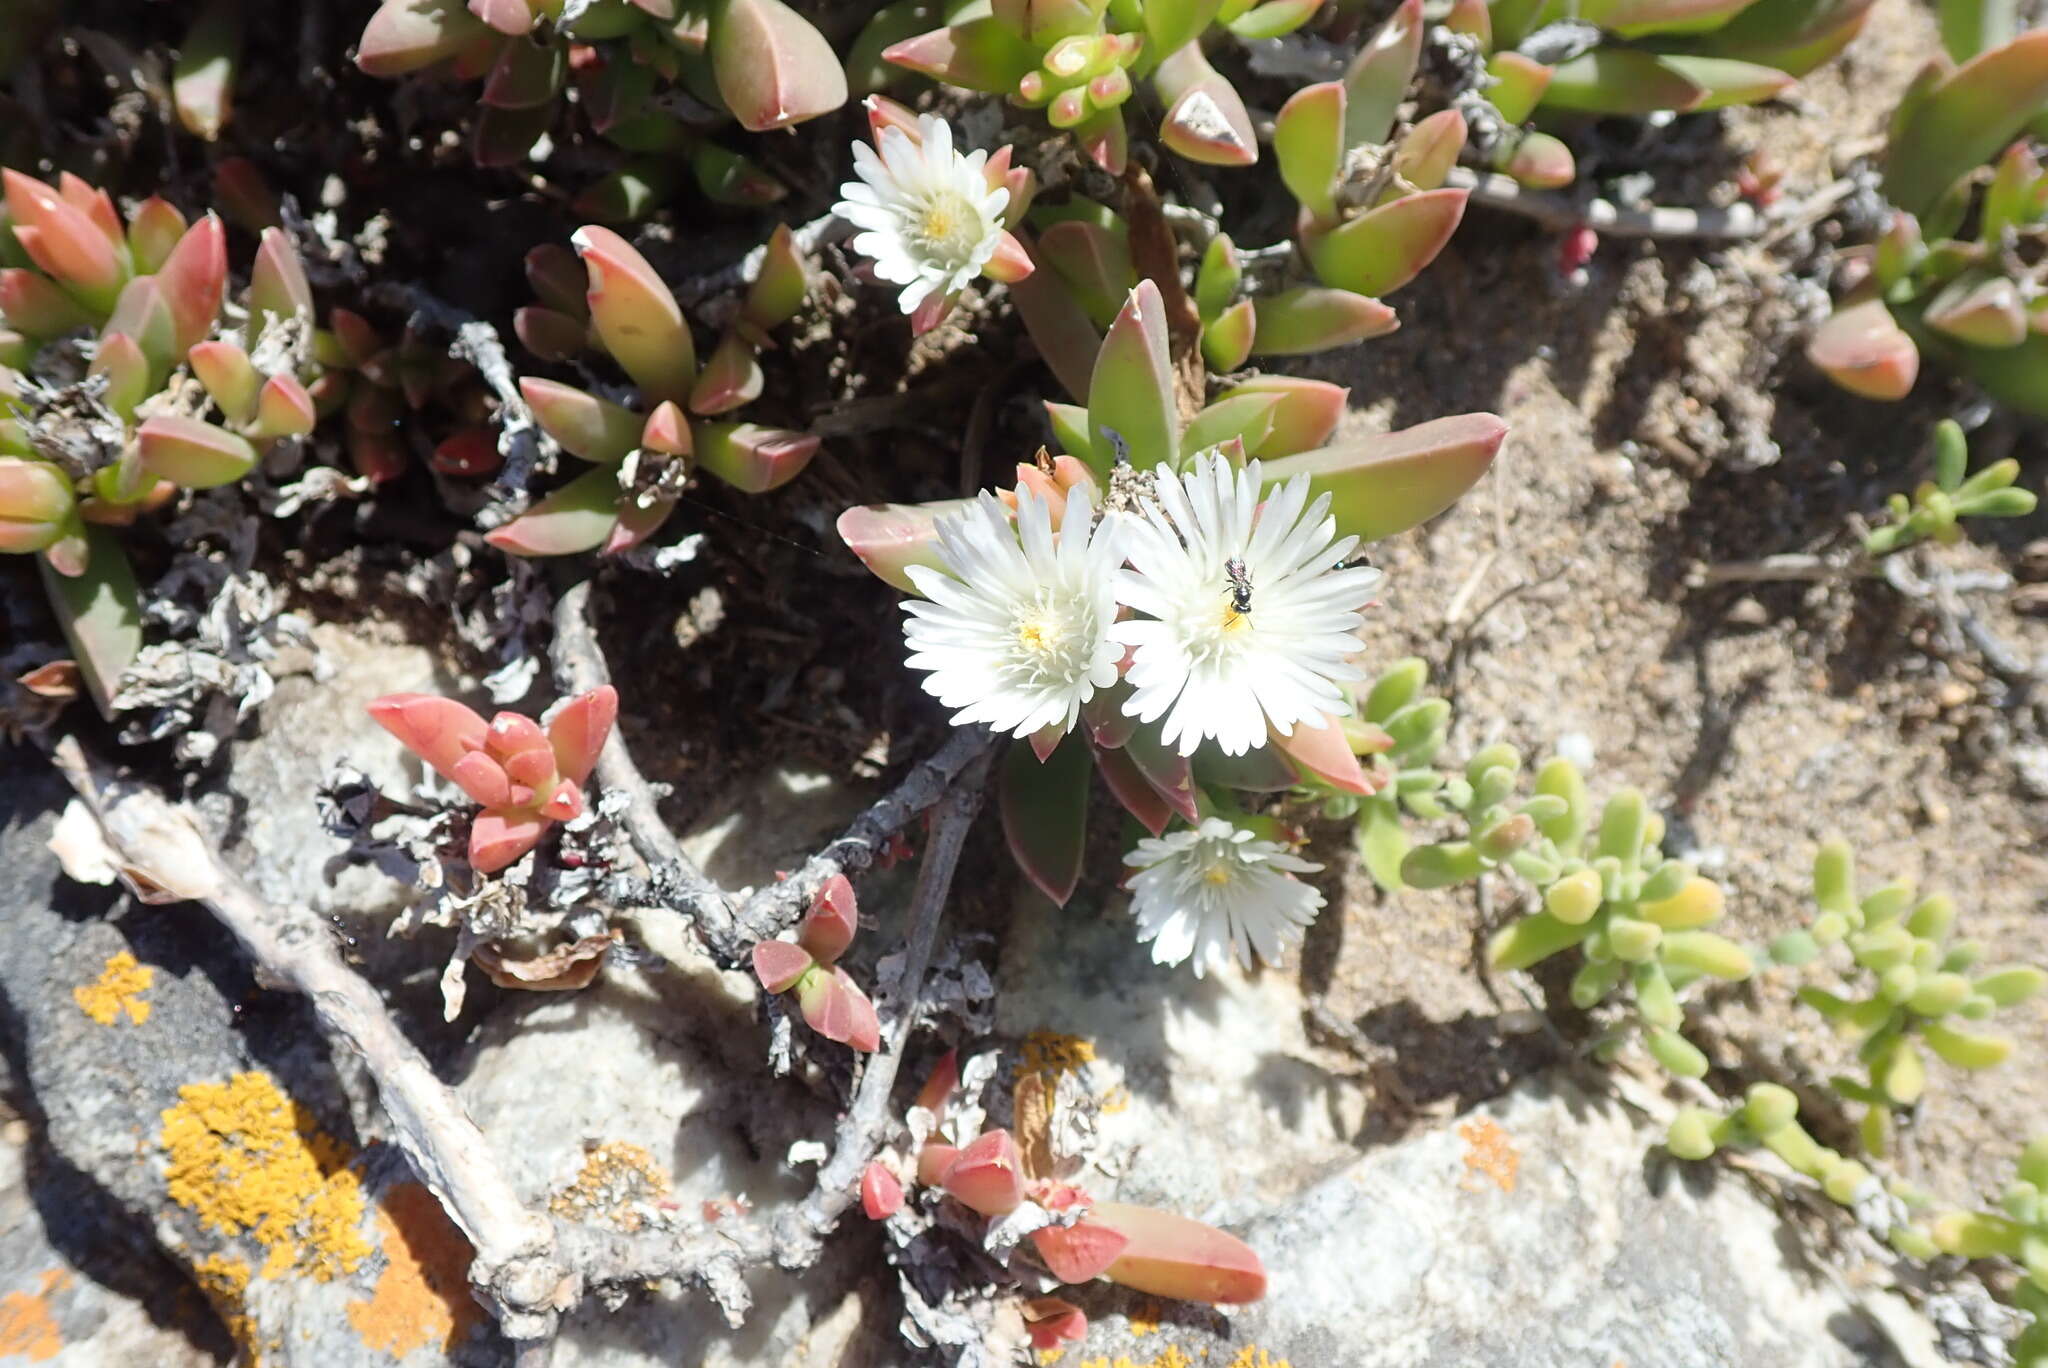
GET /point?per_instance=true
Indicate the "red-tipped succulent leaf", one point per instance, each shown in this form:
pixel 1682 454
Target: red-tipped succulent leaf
pixel 988 1174
pixel 881 1194
pixel 1172 1256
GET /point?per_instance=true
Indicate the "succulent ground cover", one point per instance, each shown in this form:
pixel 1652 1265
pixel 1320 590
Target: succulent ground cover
pixel 1435 512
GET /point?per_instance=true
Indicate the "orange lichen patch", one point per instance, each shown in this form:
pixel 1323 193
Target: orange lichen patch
pixel 1051 1054
pixel 1488 1153
pixel 27 1329
pixel 616 1181
pixel 119 988
pixel 244 1157
pixel 423 1293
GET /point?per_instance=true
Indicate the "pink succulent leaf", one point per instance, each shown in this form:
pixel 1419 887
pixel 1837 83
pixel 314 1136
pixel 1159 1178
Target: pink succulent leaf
pixel 578 732
pixel 565 804
pixel 438 730
pixel 988 1174
pixel 483 779
pixel 1078 1253
pixel 1053 1323
pixel 511 733
pixel 1173 1256
pixel 496 839
pixel 881 1195
pixel 779 964
pixel 1325 752
pixel 833 919
pixel 864 1026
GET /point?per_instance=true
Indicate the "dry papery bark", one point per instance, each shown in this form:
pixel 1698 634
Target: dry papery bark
pixel 530 1268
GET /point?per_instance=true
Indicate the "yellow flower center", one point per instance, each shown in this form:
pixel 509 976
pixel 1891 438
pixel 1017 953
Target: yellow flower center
pixel 950 227
pixel 1216 873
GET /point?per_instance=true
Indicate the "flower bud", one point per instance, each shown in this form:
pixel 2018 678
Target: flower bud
pixel 36 504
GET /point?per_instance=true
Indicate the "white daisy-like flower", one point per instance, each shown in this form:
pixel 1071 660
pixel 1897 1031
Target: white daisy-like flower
pixel 1015 629
pixel 1251 612
pixel 1219 893
pixel 929 219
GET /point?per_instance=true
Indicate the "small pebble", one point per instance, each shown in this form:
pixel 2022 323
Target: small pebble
pixel 1747 612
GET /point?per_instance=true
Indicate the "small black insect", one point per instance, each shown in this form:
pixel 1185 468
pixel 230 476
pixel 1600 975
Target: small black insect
pixel 1239 581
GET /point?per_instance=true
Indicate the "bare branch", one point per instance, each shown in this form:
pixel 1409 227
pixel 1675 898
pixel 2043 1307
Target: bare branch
pixel 1556 209
pixel 713 1257
pixel 775 908
pixel 579 666
pixel 517 1271
pixel 799 1232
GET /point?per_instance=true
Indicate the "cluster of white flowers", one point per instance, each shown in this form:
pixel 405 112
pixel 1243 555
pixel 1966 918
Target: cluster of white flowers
pixel 1242 621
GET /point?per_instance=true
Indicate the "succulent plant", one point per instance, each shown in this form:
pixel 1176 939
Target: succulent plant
pixel 380 386
pixel 1769 1117
pixel 1956 275
pixel 1637 917
pixel 1397 732
pixel 1081 60
pixel 1914 987
pixel 833 1005
pixel 1142 1248
pixel 1379 486
pixel 1939 505
pixel 1556 60
pixel 757 59
pixel 150 293
pixel 608 298
pixel 525 778
pixel 1374 212
pixel 2018 1231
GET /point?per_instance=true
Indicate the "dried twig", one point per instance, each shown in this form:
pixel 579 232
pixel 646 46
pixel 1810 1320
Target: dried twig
pixel 775 908
pixel 1558 210
pixel 517 1272
pixel 579 666
pixel 798 1233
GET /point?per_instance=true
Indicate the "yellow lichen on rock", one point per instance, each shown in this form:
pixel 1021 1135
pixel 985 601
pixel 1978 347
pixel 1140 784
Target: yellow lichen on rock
pixel 617 1179
pixel 27 1329
pixel 119 988
pixel 1051 1054
pixel 422 1296
pixel 225 1281
pixel 243 1157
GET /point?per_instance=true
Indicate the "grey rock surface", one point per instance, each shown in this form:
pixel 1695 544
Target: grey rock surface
pixel 97 1093
pixel 1542 1230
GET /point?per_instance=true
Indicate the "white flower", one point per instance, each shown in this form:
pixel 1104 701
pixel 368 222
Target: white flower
pixel 1209 669
pixel 1016 630
pixel 1219 893
pixel 930 220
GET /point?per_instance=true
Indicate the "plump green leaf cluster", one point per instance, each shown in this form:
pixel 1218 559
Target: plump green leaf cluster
pixel 1082 60
pixel 1768 1118
pixel 2017 1231
pixel 1910 986
pixel 1637 918
pixel 1939 505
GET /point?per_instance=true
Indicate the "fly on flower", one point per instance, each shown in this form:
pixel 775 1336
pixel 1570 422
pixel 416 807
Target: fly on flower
pixel 1240 582
pixel 1201 659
